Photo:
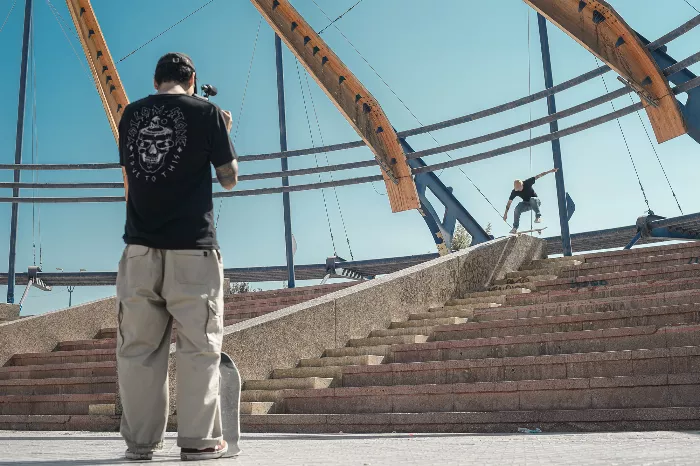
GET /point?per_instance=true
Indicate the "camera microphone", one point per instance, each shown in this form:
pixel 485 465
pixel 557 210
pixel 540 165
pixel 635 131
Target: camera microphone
pixel 209 91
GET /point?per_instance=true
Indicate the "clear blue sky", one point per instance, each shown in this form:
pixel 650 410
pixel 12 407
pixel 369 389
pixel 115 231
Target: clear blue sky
pixel 443 59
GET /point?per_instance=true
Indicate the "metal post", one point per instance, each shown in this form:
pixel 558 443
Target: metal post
pixel 71 289
pixel 553 127
pixel 285 180
pixel 18 150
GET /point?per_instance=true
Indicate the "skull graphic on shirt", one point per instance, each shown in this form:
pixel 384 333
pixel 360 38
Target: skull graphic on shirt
pixel 153 144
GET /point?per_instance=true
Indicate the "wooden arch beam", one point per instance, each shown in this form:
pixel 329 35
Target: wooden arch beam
pixel 104 72
pixel 350 97
pixel 600 29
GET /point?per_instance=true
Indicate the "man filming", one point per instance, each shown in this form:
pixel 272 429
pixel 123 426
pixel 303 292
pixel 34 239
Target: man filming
pixel 171 270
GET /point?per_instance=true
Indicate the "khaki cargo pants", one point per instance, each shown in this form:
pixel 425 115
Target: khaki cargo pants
pixel 155 288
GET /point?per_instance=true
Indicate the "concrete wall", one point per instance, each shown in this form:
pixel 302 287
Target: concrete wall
pixel 8 312
pixel 281 338
pixel 42 332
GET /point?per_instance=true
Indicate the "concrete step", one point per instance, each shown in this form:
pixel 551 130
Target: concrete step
pixel 620 278
pixel 63 357
pixel 428 321
pixel 250 313
pixel 53 404
pixel 59 422
pixel 549 264
pixel 489 301
pixel 607 256
pixel 659 317
pixel 331 372
pixel 46 371
pixel 58 386
pixel 393 340
pixel 588 306
pixel 110 332
pixel 614 339
pixel 446 313
pixel 626 264
pixel 289 383
pixel 564 366
pixel 260 396
pixel 228 322
pixel 509 291
pixel 362 360
pixel 77 345
pixel 610 291
pixel 256 408
pixel 649 391
pixel 380 350
pixel 566 420
pixel 392 332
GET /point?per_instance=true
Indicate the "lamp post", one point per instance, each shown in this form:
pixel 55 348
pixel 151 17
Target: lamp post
pixel 71 288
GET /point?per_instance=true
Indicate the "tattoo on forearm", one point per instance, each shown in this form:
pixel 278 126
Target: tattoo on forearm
pixel 227 174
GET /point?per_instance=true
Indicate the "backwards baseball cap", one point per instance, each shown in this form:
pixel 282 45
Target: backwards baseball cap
pixel 180 59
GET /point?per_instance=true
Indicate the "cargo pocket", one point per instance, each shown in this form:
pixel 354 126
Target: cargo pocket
pixel 215 324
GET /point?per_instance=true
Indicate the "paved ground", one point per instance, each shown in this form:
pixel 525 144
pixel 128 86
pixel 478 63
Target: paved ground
pixel 648 448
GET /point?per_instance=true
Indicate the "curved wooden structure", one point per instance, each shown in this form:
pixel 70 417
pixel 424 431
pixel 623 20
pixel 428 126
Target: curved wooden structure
pixel 104 72
pixel 349 96
pixel 600 29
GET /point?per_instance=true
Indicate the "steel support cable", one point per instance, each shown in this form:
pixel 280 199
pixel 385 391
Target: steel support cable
pixel 163 32
pixel 529 91
pixel 656 153
pixel 242 106
pixel 691 5
pixel 330 174
pixel 8 15
pixel 311 136
pixel 338 18
pixel 629 151
pixel 407 109
pixel 65 34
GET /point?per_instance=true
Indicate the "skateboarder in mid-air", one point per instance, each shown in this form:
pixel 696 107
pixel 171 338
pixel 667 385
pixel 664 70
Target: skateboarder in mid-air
pixel 530 201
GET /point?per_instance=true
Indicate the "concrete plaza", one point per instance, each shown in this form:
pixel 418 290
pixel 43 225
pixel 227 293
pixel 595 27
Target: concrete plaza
pixel 648 448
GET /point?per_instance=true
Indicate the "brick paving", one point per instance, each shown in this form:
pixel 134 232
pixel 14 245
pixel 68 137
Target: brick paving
pixel 647 448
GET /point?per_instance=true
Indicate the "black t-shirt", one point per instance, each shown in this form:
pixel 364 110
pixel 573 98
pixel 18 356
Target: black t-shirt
pixel 527 193
pixel 167 144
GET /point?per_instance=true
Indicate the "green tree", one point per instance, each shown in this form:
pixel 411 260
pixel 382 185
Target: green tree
pixel 488 228
pixel 242 287
pixel 461 238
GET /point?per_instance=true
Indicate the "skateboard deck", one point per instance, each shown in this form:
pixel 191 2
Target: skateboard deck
pixel 230 390
pixel 534 230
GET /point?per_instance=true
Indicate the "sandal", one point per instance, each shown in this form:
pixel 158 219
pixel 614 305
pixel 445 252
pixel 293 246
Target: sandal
pixel 190 454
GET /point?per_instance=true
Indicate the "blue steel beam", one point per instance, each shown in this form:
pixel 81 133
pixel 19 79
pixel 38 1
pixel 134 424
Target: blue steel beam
pixel 691 109
pixel 443 229
pixel 288 242
pixel 18 150
pixel 553 128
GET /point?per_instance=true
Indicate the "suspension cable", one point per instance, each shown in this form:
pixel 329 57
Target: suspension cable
pixel 163 32
pixel 56 15
pixel 335 189
pixel 241 108
pixel 335 20
pixel 691 6
pixel 529 91
pixel 629 151
pixel 8 15
pixel 313 144
pixel 406 107
pixel 656 153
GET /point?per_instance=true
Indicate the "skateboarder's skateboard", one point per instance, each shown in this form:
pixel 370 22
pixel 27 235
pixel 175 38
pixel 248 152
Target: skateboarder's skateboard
pixel 230 390
pixel 534 230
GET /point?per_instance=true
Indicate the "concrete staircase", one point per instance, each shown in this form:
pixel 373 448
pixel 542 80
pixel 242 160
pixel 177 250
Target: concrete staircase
pixel 607 341
pixel 74 387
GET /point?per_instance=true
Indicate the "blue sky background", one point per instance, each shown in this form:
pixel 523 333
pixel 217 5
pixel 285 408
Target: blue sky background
pixel 443 59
